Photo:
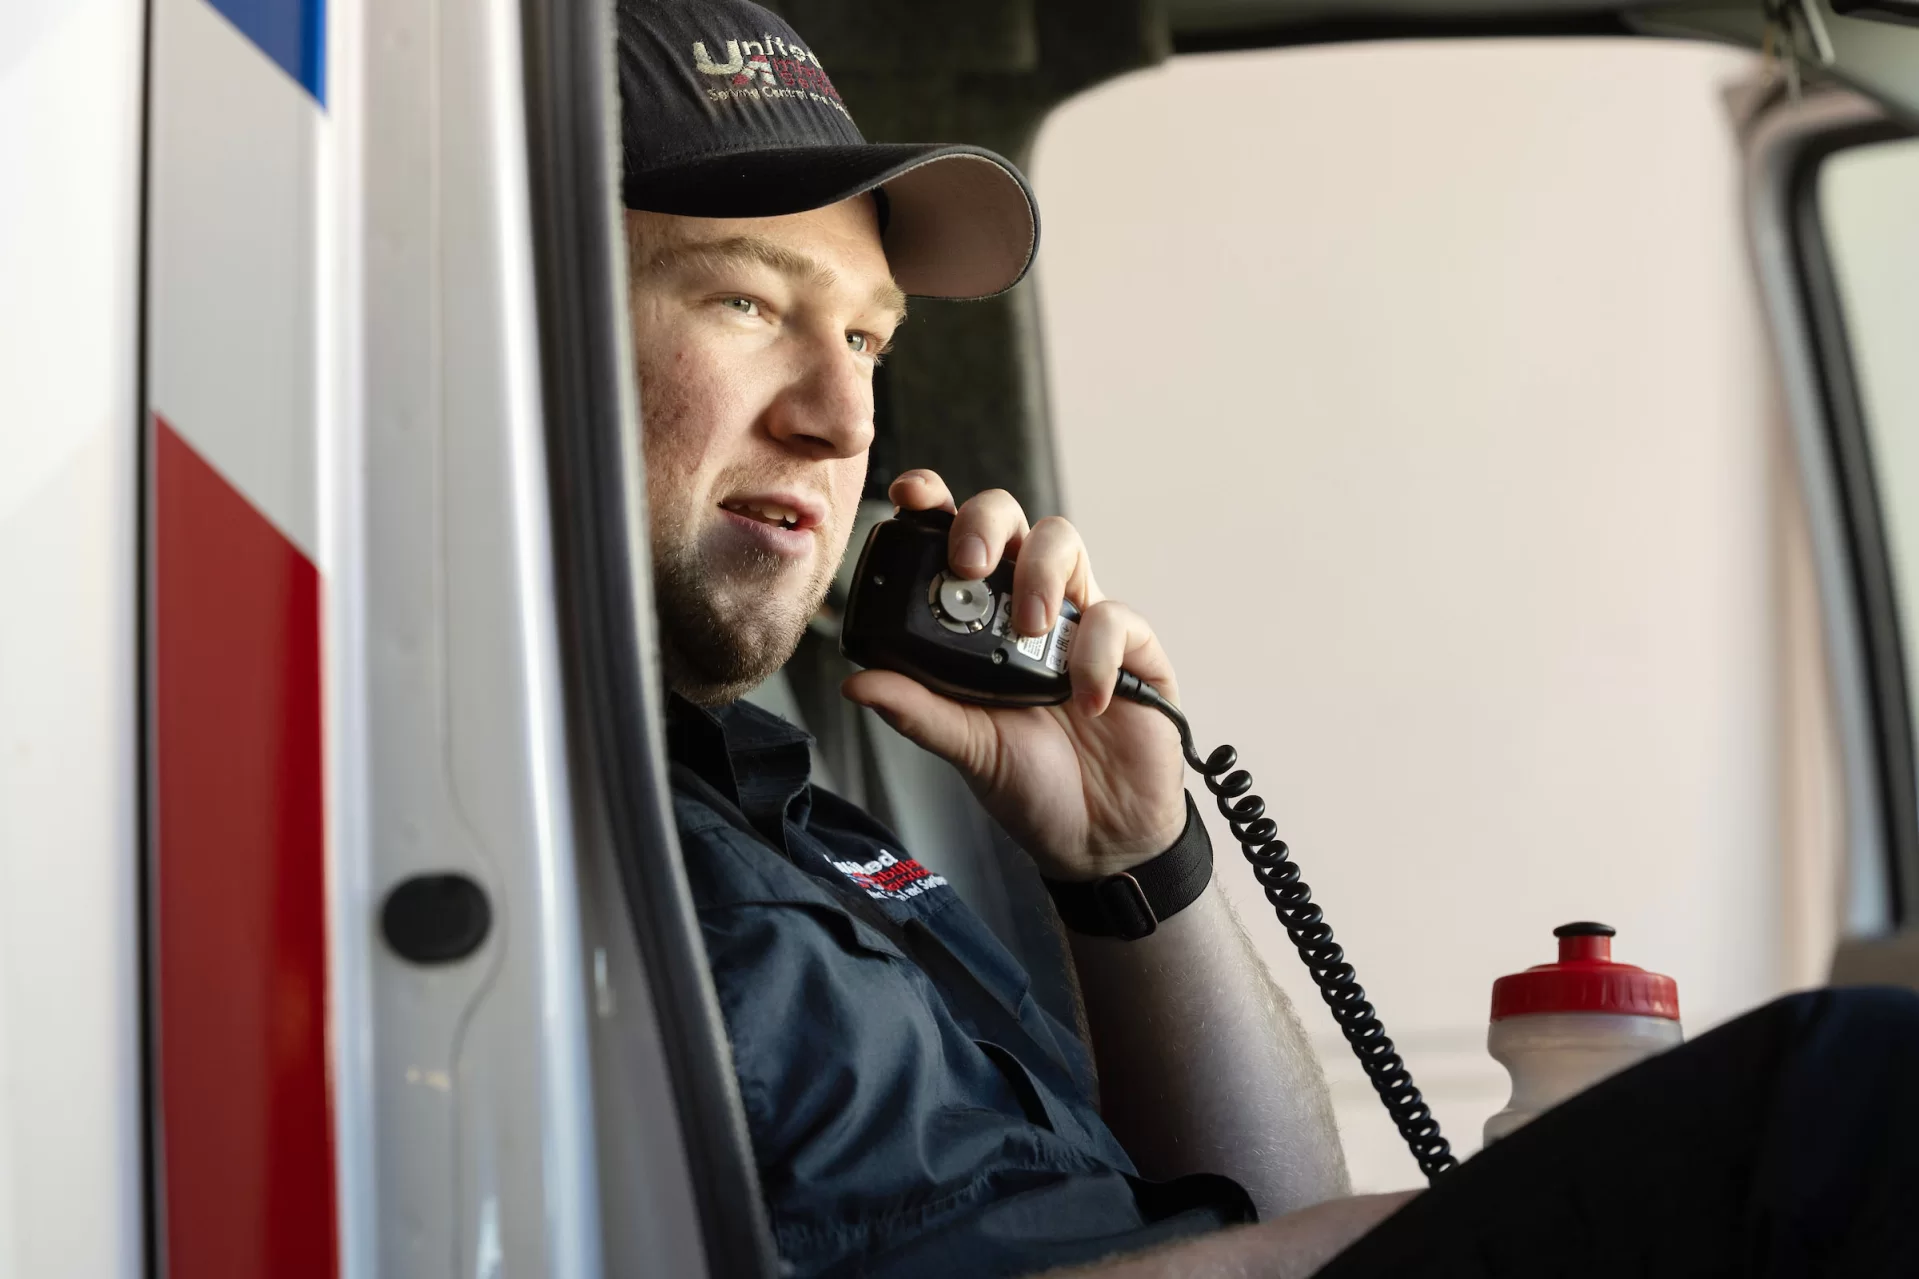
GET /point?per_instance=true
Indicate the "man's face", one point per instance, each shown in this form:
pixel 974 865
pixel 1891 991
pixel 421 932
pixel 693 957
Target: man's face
pixel 756 340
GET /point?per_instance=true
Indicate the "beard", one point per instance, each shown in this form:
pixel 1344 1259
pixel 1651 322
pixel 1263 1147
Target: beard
pixel 726 626
pixel 729 615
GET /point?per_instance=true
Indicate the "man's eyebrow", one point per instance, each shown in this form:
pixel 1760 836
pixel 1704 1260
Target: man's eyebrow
pixel 763 252
pixel 736 249
pixel 890 298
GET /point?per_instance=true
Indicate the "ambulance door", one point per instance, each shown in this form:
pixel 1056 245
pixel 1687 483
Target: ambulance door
pixel 425 995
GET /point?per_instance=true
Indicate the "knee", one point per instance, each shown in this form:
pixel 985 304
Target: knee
pixel 1882 1021
pixel 1887 1007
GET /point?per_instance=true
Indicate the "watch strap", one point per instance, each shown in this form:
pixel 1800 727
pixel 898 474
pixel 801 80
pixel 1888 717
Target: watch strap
pixel 1131 904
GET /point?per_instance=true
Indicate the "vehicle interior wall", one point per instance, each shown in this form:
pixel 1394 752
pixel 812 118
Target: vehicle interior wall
pixel 1418 393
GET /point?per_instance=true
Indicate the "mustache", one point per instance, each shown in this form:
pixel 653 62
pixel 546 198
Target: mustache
pixel 751 479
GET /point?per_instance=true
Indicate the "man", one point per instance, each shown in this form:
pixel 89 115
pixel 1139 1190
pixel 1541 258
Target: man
pixel 768 250
pixel 913 1111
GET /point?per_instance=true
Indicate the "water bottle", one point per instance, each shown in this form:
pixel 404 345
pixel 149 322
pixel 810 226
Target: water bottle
pixel 1558 1029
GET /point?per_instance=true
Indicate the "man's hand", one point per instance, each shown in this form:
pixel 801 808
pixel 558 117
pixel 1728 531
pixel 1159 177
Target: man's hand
pixel 1090 787
pixel 1203 1067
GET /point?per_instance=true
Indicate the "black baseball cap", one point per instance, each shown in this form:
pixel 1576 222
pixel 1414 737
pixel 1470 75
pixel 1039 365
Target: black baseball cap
pixel 727 113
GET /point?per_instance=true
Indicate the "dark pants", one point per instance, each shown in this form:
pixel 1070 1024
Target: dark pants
pixel 1785 1143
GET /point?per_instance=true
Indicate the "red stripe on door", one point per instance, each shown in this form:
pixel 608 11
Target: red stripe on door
pixel 240 881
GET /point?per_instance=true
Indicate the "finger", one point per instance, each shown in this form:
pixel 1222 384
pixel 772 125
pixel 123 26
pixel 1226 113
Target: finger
pixel 944 727
pixel 989 526
pixel 1053 565
pixel 1111 636
pixel 920 490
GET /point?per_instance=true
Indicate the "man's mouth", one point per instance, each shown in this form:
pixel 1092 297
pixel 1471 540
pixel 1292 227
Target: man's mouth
pixel 765 512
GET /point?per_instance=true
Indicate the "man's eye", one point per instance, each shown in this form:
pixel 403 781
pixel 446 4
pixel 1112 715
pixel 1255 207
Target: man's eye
pixel 863 343
pixel 745 306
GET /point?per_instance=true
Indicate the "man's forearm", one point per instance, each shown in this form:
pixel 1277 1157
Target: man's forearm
pixel 1203 1065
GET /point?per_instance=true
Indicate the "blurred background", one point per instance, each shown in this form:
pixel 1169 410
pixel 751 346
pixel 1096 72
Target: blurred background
pixel 1419 394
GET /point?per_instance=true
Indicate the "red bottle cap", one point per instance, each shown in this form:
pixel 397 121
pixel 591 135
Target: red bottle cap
pixel 1585 980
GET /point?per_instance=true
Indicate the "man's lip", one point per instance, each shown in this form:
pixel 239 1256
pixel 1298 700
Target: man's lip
pixel 810 510
pixel 791 543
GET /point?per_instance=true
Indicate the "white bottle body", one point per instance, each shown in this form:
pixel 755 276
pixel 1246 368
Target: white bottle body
pixel 1552 1056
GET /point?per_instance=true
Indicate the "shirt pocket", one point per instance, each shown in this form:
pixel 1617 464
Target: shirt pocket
pixel 855 1077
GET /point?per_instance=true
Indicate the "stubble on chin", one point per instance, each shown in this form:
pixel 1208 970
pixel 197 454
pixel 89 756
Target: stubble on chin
pixel 724 629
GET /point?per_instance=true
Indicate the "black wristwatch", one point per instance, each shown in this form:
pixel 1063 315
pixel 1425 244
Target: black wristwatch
pixel 1130 905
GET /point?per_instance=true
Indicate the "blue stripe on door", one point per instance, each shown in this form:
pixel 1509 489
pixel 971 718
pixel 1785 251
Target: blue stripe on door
pixel 291 32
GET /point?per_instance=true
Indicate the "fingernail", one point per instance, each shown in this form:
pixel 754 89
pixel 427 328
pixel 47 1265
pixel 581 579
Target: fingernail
pixel 971 555
pixel 1031 617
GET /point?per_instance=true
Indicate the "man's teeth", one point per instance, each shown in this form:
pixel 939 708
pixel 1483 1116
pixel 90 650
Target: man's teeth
pixel 766 512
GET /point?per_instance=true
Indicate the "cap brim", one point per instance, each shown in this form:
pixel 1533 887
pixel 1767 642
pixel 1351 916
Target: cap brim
pixel 961 222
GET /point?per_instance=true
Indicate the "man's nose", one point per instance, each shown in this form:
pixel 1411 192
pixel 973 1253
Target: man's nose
pixel 827 409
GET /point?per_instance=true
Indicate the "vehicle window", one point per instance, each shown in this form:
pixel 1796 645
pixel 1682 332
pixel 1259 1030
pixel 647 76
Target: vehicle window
pixel 1417 393
pixel 1868 200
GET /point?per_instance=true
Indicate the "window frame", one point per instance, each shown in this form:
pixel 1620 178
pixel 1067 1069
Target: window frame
pixel 1873 578
pixel 1788 143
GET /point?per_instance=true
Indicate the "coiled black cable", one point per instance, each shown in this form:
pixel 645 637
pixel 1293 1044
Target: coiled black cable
pixel 1278 874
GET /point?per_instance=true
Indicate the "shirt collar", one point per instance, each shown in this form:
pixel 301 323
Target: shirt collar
pixel 751 756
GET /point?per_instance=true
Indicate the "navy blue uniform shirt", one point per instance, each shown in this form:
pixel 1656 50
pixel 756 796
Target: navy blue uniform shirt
pixel 913 1110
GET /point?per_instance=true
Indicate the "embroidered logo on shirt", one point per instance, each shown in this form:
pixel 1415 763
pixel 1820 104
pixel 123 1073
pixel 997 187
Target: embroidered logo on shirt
pixel 891 878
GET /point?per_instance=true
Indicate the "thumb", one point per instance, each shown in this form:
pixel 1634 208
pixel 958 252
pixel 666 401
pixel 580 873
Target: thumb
pixel 920 715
